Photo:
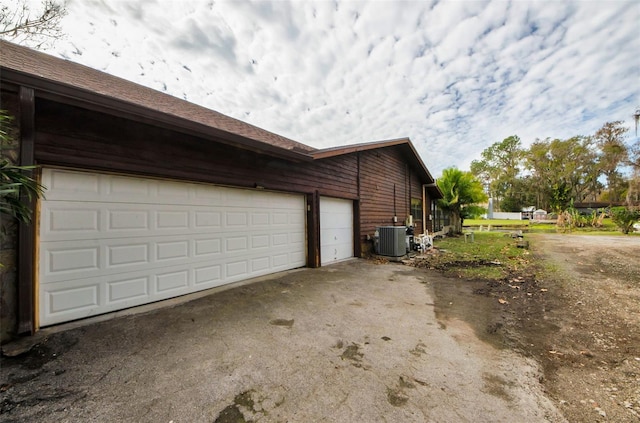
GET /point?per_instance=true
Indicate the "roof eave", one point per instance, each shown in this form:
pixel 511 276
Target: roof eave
pixel 338 151
pixel 68 94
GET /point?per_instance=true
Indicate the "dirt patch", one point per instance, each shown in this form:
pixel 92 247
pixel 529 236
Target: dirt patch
pixel 576 310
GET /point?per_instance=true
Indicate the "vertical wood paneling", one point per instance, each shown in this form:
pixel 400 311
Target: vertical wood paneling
pixel 26 232
pixel 97 141
pixel 380 170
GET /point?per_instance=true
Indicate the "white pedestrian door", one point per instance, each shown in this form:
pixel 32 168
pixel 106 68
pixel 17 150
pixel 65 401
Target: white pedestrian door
pixel 336 229
pixel 110 242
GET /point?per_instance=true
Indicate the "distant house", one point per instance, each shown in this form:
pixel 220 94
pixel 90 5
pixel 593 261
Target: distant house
pixel 527 212
pixel 150 197
pixel 539 214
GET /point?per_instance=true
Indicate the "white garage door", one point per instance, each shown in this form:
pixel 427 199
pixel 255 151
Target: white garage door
pixel 110 242
pixel 336 229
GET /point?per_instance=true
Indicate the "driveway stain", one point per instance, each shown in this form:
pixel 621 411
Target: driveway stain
pixel 352 352
pixel 419 349
pixel 232 413
pixel 282 322
pixel 495 385
pixel 396 397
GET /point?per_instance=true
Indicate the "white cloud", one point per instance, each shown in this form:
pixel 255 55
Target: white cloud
pixel 453 76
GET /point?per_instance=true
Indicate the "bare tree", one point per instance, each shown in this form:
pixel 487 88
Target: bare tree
pixel 24 23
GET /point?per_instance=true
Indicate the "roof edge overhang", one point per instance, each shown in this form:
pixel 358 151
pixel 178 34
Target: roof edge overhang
pixel 354 148
pixel 403 142
pixel 80 97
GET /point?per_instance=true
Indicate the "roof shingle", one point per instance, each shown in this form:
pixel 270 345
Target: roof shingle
pixel 52 69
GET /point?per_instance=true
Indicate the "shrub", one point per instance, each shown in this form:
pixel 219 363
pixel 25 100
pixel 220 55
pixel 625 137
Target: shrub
pixel 624 218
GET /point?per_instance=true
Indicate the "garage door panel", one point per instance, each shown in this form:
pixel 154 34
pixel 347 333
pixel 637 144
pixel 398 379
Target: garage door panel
pixel 208 247
pixel 203 194
pixel 98 256
pixel 169 251
pixel 336 229
pixel 260 241
pixel 62 221
pixel 297 240
pixel 208 275
pixel 236 219
pixel 236 244
pixel 66 185
pixel 234 269
pixel 280 260
pixel 295 219
pixel 128 220
pixel 119 256
pixel 127 289
pixel 73 299
pixel 70 260
pixel 260 220
pixel 173 219
pixel 172 281
pixel 260 264
pixel 128 188
pixel 208 220
pixel 84 258
pixel 337 236
pixel 296 257
pixel 279 218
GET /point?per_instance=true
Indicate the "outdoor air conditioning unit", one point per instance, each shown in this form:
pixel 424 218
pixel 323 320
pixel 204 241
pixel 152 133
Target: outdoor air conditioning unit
pixel 392 241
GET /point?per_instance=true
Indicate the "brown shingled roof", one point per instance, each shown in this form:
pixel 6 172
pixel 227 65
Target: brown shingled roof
pixel 52 75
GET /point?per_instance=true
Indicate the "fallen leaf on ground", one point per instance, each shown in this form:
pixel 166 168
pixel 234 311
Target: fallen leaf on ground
pixel 503 301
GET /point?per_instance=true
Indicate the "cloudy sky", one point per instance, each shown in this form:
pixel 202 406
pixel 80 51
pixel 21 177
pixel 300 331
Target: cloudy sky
pixel 454 76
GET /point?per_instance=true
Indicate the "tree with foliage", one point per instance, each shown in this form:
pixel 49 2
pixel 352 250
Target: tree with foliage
pixel 633 160
pixel 23 23
pixel 562 170
pixel 499 169
pixel 613 153
pixel 462 194
pixel 15 180
pixel 634 155
pixel 560 196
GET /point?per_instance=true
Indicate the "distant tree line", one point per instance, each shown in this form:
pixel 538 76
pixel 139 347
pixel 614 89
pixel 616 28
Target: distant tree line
pixel 553 174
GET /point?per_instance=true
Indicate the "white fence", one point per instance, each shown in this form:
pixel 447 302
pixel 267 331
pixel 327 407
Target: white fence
pixel 508 216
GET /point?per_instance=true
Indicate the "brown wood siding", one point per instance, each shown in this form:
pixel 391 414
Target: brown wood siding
pixel 74 137
pixel 384 190
pixel 416 192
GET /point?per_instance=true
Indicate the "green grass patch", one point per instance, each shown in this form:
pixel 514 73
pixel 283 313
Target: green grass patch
pixel 607 228
pixel 493 255
pixel 495 222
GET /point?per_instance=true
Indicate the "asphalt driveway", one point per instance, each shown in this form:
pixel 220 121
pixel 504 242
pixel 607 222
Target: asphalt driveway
pixel 352 342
